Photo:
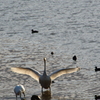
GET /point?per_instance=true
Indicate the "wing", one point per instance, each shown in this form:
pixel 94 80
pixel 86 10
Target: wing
pixel 34 74
pixel 60 72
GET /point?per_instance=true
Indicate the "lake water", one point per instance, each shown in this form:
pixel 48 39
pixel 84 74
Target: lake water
pixel 66 27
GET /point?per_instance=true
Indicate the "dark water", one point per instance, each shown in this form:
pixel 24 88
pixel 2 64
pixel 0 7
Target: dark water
pixel 66 27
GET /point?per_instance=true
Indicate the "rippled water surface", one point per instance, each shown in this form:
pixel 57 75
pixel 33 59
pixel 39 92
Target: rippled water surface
pixel 66 27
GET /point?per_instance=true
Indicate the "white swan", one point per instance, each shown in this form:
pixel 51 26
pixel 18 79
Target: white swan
pixel 44 80
pixel 18 90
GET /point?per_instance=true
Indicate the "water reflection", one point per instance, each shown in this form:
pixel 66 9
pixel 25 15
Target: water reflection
pixel 46 95
pixel 23 99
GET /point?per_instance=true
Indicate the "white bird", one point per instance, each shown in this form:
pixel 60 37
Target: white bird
pixel 19 89
pixel 44 80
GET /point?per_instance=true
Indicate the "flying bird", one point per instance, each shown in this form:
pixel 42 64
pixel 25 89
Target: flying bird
pixel 44 79
pixel 19 89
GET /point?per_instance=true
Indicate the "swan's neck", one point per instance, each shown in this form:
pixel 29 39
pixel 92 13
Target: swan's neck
pixel 45 66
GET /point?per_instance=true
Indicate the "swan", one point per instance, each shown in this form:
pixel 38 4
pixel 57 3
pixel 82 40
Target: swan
pixel 44 80
pixel 18 90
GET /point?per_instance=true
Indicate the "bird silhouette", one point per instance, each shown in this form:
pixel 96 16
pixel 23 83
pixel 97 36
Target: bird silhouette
pixel 44 79
pixel 97 97
pixel 52 53
pixel 34 31
pixel 35 97
pixel 74 58
pixel 97 69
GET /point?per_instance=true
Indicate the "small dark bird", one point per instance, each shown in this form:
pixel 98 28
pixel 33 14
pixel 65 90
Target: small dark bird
pixel 97 69
pixel 52 53
pixel 35 97
pixel 97 97
pixel 34 31
pixel 53 82
pixel 74 58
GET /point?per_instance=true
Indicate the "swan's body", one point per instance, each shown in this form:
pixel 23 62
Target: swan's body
pixel 44 80
pixel 19 89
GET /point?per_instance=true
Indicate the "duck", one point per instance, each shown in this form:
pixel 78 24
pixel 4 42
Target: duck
pixel 74 58
pixel 97 97
pixel 34 31
pixel 52 53
pixel 97 69
pixel 35 97
pixel 19 89
pixel 43 79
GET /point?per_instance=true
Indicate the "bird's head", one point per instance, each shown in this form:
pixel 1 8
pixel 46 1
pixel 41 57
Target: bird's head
pixel 44 59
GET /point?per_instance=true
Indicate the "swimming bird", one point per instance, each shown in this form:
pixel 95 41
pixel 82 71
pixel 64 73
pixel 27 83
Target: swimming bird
pixel 44 80
pixel 35 97
pixel 52 53
pixel 19 89
pixel 74 58
pixel 97 69
pixel 34 31
pixel 97 97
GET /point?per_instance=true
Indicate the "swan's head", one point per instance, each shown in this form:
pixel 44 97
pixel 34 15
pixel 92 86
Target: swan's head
pixel 44 59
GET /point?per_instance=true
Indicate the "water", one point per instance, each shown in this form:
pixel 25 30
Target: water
pixel 66 27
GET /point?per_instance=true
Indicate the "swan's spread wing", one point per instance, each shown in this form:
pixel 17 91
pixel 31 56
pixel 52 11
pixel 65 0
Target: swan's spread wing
pixel 62 71
pixel 34 74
